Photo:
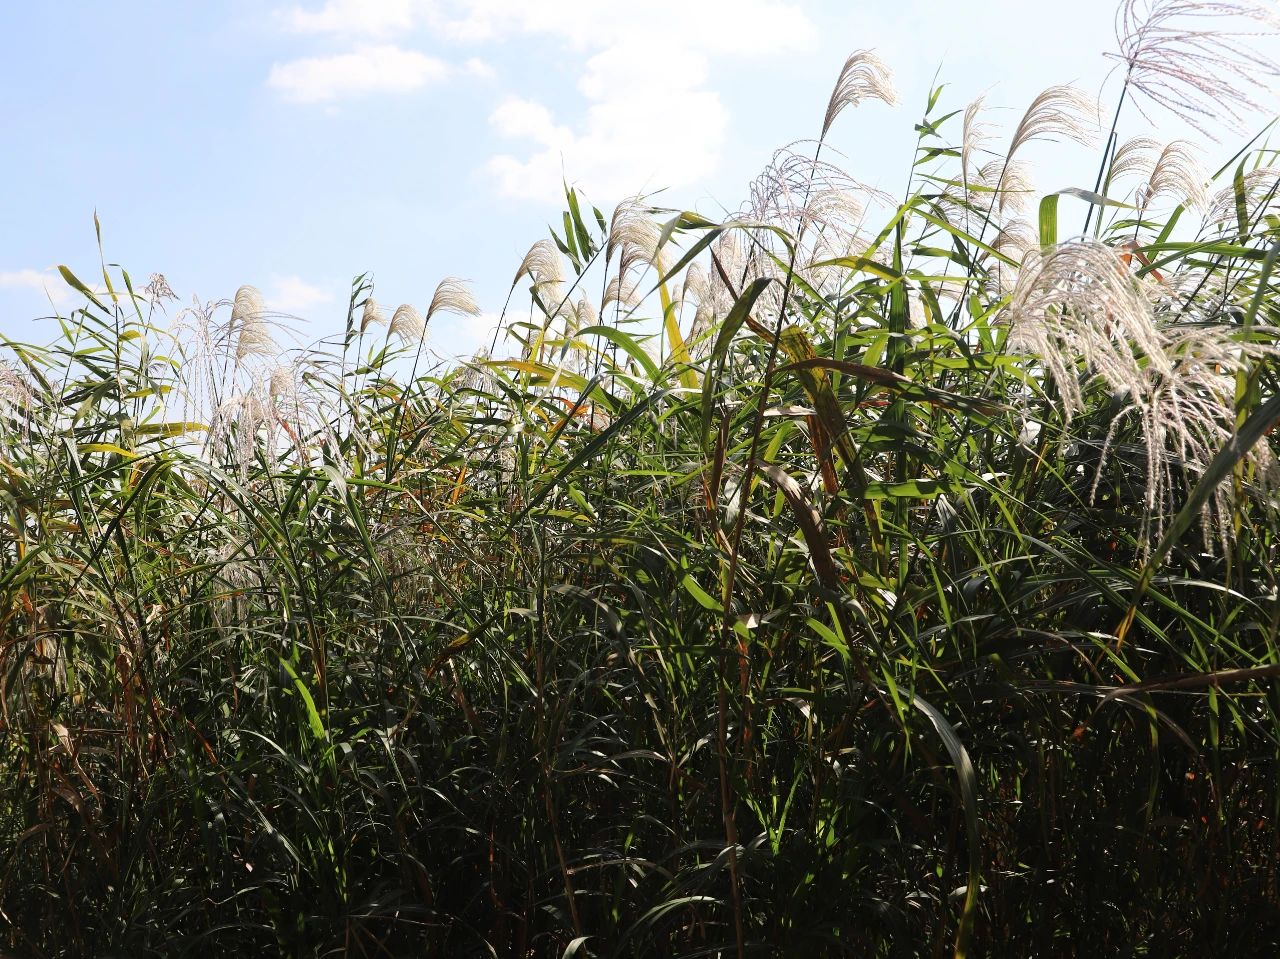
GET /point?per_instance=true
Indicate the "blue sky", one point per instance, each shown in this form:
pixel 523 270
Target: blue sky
pixel 293 145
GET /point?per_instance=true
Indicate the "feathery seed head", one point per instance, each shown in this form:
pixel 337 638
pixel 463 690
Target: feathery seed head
pixel 158 290
pixel 974 135
pixel 542 264
pixel 863 77
pixel 620 291
pixel 1078 304
pixel 1195 72
pixel 1135 156
pixel 1061 111
pixel 249 324
pixel 585 313
pixel 633 232
pixel 407 323
pixel 1260 195
pixel 1172 170
pixel 371 315
pixel 452 295
pixel 1078 301
pixel 1178 174
pixel 247 305
pixel 1016 239
pixel 15 390
pixel 1002 183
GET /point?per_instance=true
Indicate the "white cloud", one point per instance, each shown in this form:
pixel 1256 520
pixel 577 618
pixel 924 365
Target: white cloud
pixel 295 296
pixel 353 17
pixel 629 142
pixel 478 68
pixel 646 118
pixel 651 121
pixel 526 119
pixel 742 27
pixel 383 68
pixel 47 282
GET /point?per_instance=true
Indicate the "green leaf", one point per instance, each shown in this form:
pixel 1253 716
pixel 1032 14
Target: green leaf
pixel 968 782
pixel 74 281
pixel 705 599
pixel 1049 220
pixel 313 715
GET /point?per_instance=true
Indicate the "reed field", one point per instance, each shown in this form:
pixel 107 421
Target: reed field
pixel 858 575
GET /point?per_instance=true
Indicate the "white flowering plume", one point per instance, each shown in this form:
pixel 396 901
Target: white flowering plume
pixel 816 202
pixel 249 328
pixel 452 295
pixel 1059 112
pixel 277 411
pixel 634 236
pixel 864 76
pixel 1169 171
pixel 1184 56
pixel 17 396
pixel 407 323
pixel 371 315
pixel 542 264
pixel 1260 196
pixel 1080 312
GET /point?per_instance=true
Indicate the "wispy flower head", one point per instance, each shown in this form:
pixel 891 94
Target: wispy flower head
pixel 1135 156
pixel 407 323
pixel 452 295
pixel 1259 195
pixel 371 315
pixel 1059 112
pixel 1178 174
pixel 796 191
pixel 542 264
pixel 15 389
pixel 249 326
pixel 1186 413
pixel 1078 305
pixel 634 234
pixel 474 374
pixel 993 187
pixel 1171 170
pixel 274 412
pixel 16 397
pixel 1016 239
pixel 238 422
pixel 158 290
pixel 1078 301
pixel 585 313
pixel 1195 71
pixel 620 291
pixel 863 77
pixel 974 134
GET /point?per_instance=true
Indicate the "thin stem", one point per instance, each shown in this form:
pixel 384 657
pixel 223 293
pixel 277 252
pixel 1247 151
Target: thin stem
pixel 1108 151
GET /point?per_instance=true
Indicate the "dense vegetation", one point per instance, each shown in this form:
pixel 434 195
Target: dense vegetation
pixel 864 576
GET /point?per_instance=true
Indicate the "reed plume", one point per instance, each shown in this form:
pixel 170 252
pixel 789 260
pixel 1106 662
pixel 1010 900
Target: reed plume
pixel 864 76
pixel 1198 72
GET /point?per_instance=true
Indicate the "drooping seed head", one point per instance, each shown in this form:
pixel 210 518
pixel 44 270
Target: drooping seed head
pixel 1184 56
pixel 1059 112
pixel 407 323
pixel 864 76
pixel 249 325
pixel 371 315
pixel 974 135
pixel 542 264
pixel 452 295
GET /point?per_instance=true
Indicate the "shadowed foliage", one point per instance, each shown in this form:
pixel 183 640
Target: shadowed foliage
pixel 862 576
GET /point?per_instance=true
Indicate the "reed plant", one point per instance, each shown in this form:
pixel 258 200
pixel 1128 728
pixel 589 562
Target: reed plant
pixel 859 575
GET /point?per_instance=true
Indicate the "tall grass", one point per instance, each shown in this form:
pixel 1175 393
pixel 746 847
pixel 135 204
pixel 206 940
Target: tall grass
pixel 858 576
